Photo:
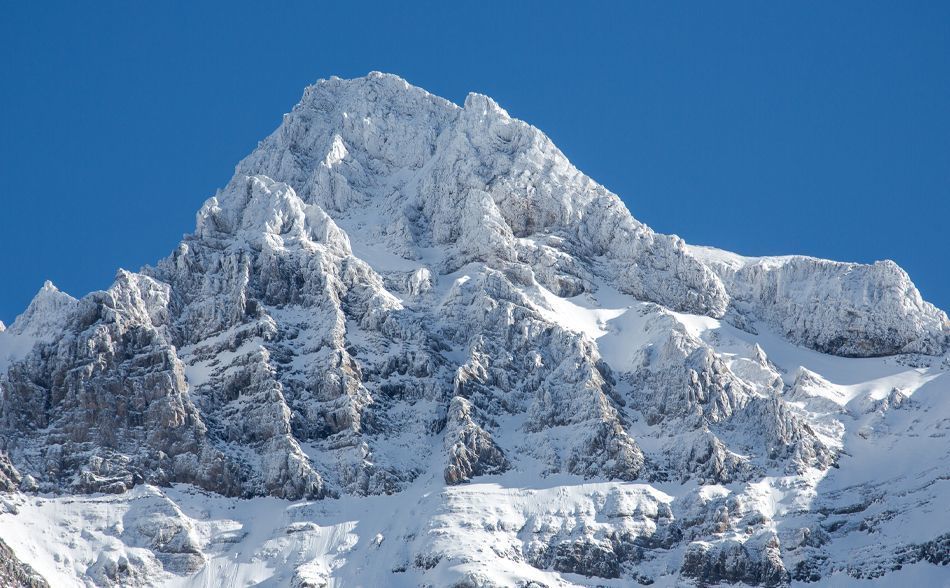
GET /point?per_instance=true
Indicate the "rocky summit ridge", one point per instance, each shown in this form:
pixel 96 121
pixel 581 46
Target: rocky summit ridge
pixel 439 354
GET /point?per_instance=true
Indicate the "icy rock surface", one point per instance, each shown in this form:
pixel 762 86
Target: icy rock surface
pixel 410 344
pixel 13 572
pixel 841 308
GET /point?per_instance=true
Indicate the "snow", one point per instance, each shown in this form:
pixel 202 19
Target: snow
pixel 38 323
pixel 337 152
pixel 14 347
pixel 391 281
pixel 576 314
pixel 266 541
pixel 714 255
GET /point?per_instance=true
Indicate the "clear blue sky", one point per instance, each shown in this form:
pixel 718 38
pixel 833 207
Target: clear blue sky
pixel 764 128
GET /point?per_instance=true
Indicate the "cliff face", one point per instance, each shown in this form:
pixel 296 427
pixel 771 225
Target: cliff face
pixel 395 295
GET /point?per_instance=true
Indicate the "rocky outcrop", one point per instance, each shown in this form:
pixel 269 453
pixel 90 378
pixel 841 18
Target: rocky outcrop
pixel 14 572
pixel 734 562
pixel 782 436
pixel 9 476
pixel 105 406
pixel 847 309
pixel 471 450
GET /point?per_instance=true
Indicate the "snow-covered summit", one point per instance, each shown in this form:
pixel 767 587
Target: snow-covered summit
pixel 44 314
pixel 415 172
pixel 426 311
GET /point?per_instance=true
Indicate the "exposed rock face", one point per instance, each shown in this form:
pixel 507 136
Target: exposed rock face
pixel 733 562
pixel 396 297
pixel 14 572
pixel 935 551
pixel 9 476
pixel 107 403
pixel 471 450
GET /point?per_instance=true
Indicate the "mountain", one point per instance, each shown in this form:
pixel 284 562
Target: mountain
pixel 410 344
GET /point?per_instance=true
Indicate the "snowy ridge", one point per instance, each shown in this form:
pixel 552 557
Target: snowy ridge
pixel 842 308
pixel 423 348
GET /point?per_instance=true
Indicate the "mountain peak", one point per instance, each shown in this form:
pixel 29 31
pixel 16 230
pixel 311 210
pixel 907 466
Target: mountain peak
pixel 388 159
pixel 374 90
pixel 480 103
pixel 47 310
pixel 395 295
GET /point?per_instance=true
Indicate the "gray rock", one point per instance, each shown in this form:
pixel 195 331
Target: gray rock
pixel 15 573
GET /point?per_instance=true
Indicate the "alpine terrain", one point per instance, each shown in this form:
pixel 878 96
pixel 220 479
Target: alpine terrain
pixel 409 344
